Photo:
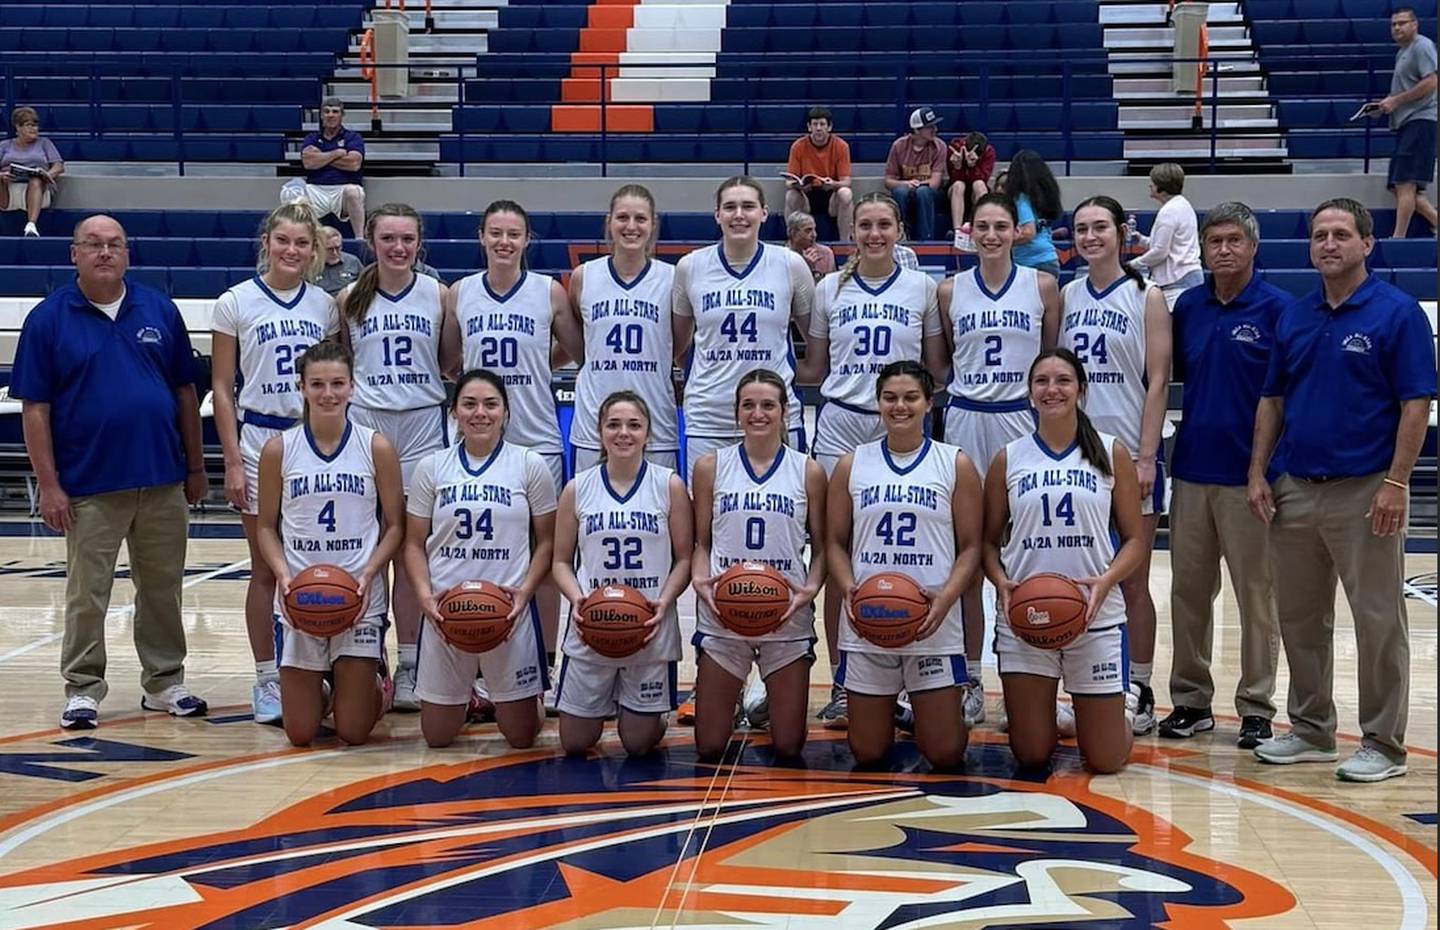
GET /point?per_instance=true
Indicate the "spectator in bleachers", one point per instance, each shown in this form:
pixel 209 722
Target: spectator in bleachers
pixel 112 427
pixel 970 163
pixel 1347 397
pixel 29 167
pixel 819 172
pixel 340 267
pixel 1032 186
pixel 1172 250
pixel 334 158
pixel 913 171
pixel 800 232
pixel 1411 105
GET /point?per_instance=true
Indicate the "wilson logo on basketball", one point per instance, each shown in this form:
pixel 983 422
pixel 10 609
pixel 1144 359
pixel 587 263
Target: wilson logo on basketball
pixel 749 589
pixel 602 614
pixel 468 605
pixel 1037 617
pixel 319 599
pixel 881 612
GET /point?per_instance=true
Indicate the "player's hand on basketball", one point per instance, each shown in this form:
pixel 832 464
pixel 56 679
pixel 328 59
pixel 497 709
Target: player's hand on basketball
pixel 1003 592
pixel 934 617
pixel 197 485
pixel 704 586
pixel 363 587
pixel 1261 499
pixel 519 601
pixel 1387 511
pixel 430 607
pixel 235 489
pixel 1097 589
pixel 659 608
pixel 55 509
pixel 800 595
pixel 1145 473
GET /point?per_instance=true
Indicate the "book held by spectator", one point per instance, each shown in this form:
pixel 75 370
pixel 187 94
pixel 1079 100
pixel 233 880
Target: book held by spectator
pixel 19 172
pixel 807 180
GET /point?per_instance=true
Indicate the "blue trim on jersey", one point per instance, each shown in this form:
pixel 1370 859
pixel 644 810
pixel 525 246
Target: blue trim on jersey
pixel 885 451
pixel 404 292
pixel 980 282
pixel 754 260
pixel 539 645
pixel 1110 289
pixel 850 407
pixel 990 406
pixel 797 436
pixel 1124 658
pixel 840 669
pixel 1057 456
pixel 477 472
pixel 958 668
pixel 560 678
pixel 444 433
pixel 769 472
pixel 884 286
pixel 610 489
pixel 344 440
pixel 277 634
pixel 499 299
pixel 266 420
pixel 294 301
pixel 615 276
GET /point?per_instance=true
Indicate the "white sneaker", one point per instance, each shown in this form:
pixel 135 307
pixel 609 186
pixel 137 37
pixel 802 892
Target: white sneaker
pixel 405 698
pixel 1369 765
pixel 265 701
pixel 835 715
pixel 755 703
pixel 1065 720
pixel 972 702
pixel 1143 720
pixel 80 713
pixel 176 701
pixel 30 230
pixel 1132 704
pixel 1289 749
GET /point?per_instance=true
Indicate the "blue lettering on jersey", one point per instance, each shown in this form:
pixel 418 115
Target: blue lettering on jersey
pixel 900 494
pixel 499 322
pixel 631 307
pixel 475 493
pixel 395 323
pixel 327 483
pixel 888 313
pixel 1102 317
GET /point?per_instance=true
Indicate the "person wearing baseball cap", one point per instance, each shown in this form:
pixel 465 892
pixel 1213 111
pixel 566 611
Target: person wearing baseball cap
pixel 913 172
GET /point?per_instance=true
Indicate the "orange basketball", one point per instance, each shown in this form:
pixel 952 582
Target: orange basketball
pixel 888 608
pixel 1048 610
pixel 750 598
pixel 323 600
pixel 475 615
pixel 611 620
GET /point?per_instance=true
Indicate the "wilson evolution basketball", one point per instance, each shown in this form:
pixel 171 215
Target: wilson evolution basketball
pixel 611 620
pixel 1048 611
pixel 323 600
pixel 888 608
pixel 475 615
pixel 750 598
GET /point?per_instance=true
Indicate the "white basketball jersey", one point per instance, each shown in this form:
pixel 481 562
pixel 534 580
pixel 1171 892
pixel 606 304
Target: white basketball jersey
pixel 509 334
pixel 271 335
pixel 480 512
pixel 996 335
pixel 742 322
pixel 328 505
pixel 1060 517
pixel 870 326
pixel 901 522
pixel 397 349
pixel 759 514
pixel 1106 330
pixel 625 539
pixel 628 346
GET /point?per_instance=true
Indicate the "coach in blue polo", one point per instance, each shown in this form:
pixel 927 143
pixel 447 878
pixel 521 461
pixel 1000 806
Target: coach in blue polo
pixel 105 376
pixel 1223 331
pixel 1348 397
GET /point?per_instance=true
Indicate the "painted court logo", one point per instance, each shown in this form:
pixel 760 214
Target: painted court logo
pixel 1358 343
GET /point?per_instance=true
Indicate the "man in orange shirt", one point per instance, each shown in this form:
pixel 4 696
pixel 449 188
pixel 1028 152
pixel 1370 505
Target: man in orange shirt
pixel 818 173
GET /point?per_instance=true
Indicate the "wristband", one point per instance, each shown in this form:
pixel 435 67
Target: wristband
pixel 1397 484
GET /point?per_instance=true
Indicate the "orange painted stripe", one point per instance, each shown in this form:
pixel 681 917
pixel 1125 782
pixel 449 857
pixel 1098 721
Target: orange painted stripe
pixel 601 41
pixel 586 118
pixel 611 16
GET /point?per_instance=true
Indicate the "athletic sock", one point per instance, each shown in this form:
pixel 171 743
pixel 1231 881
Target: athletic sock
pixel 408 653
pixel 266 671
pixel 1140 671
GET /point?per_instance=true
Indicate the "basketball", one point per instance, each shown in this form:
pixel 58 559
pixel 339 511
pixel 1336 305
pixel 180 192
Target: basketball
pixel 1048 610
pixel 611 620
pixel 888 608
pixel 323 600
pixel 750 598
pixel 475 615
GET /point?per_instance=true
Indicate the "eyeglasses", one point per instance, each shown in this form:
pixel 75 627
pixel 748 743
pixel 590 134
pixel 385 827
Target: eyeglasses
pixel 95 246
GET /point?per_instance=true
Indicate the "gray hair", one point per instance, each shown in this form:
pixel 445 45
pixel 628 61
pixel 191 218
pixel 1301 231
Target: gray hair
pixel 797 219
pixel 332 102
pixel 1232 212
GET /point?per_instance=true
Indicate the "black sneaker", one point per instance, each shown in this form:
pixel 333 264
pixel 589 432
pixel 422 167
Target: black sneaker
pixel 1254 729
pixel 1144 720
pixel 1185 722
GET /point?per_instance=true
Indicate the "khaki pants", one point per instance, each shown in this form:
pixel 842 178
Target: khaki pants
pixel 153 522
pixel 1320 534
pixel 1209 522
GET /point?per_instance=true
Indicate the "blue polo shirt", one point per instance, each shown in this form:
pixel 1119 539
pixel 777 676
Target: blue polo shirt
pixel 330 175
pixel 1221 353
pixel 1343 374
pixel 110 386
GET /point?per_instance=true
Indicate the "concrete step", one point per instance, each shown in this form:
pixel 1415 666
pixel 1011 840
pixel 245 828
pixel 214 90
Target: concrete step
pixel 1242 111
pixel 421 92
pixel 403 119
pixel 1149 64
pixel 1163 37
pixel 1159 87
pixel 380 150
pixel 1181 121
pixel 1198 146
pixel 1138 14
pixel 450 19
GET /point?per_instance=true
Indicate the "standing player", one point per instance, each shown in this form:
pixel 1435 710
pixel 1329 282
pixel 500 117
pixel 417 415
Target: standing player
pixel 868 314
pixel 997 318
pixel 754 502
pixel 507 316
pixel 736 300
pixel 260 329
pixel 906 504
pixel 622 303
pixel 630 523
pixel 1118 326
pixel 1050 500
pixel 403 338
pixel 321 484
pixel 484 510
